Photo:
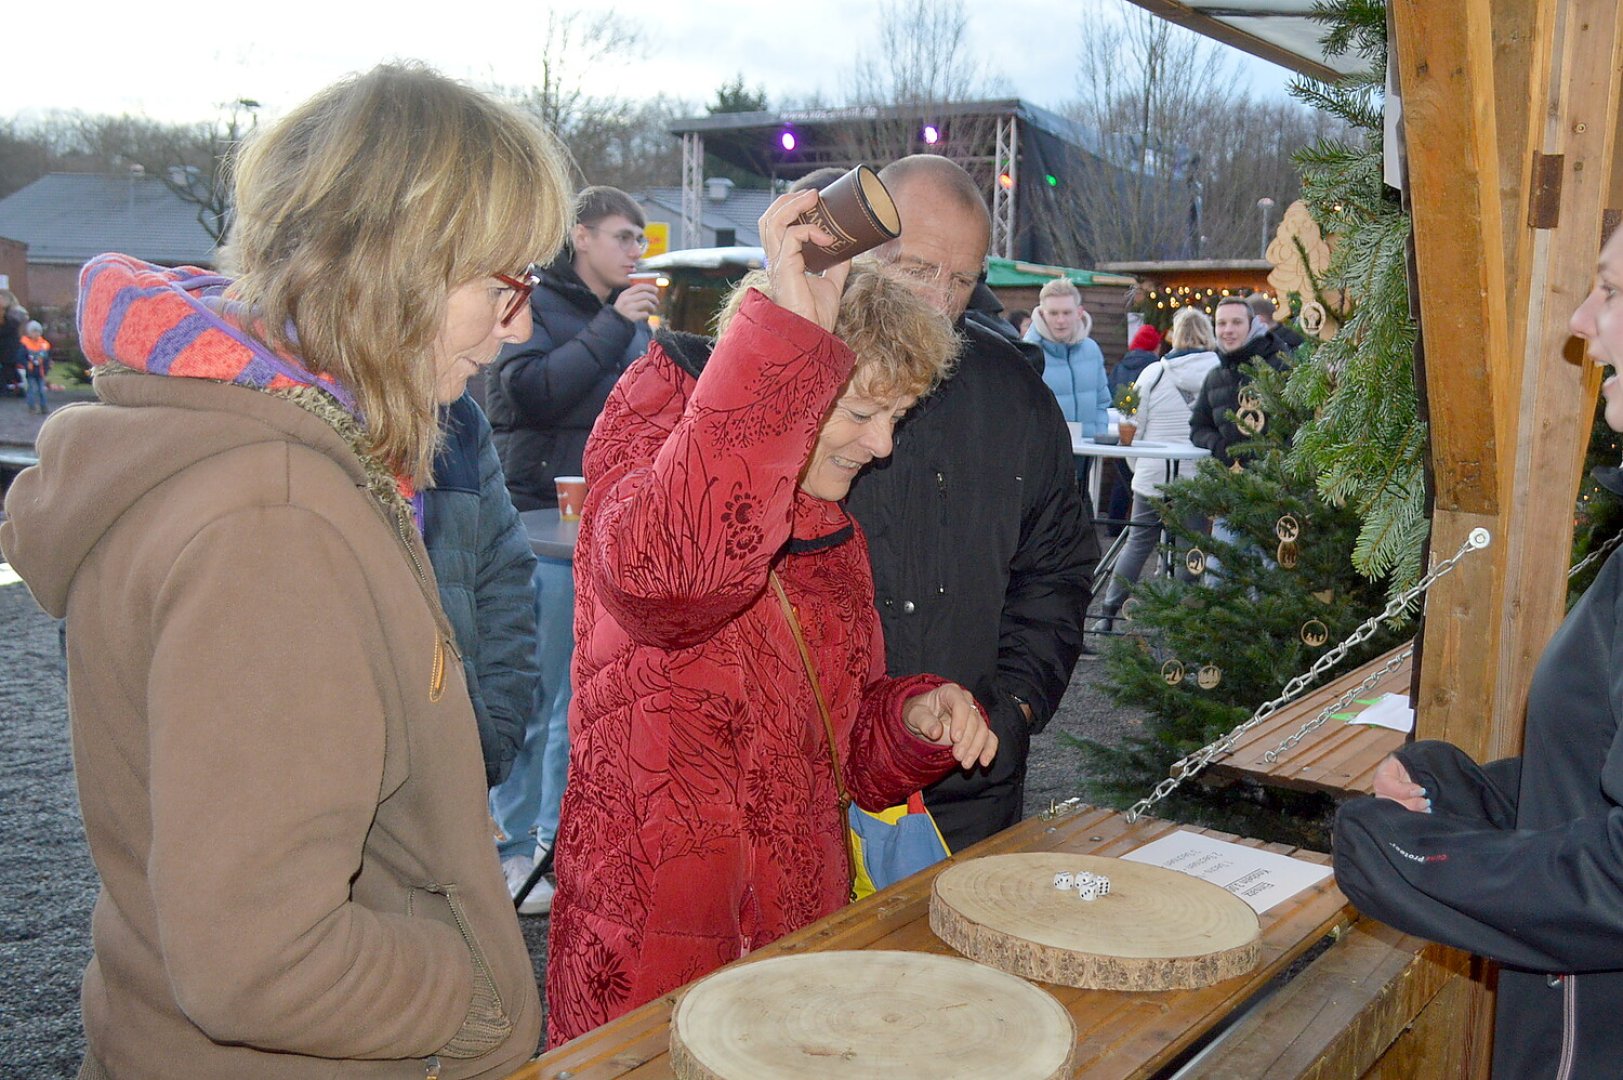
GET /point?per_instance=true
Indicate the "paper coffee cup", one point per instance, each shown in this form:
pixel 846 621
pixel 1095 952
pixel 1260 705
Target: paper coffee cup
pixel 571 494
pixel 858 212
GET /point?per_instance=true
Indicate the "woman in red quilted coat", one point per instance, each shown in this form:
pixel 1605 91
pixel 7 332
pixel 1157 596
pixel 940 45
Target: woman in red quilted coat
pixel 701 818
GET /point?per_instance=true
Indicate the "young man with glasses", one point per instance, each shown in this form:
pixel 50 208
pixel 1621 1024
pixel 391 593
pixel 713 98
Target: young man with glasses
pixel 543 395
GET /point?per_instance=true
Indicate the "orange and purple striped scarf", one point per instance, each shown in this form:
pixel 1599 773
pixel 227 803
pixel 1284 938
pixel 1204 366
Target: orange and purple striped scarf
pixel 177 321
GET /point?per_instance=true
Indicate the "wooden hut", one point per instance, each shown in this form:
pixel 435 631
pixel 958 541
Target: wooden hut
pixel 1511 113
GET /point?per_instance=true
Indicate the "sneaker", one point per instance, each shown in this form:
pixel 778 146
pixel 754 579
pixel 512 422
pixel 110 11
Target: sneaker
pixel 1102 625
pixel 516 869
pixel 539 902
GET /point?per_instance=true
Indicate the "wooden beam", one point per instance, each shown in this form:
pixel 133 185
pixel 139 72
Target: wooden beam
pixel 1342 1013
pixel 1185 16
pixel 1446 76
pixel 1577 126
pixel 1433 1045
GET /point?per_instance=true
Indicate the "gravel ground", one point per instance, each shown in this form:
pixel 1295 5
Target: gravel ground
pixel 47 881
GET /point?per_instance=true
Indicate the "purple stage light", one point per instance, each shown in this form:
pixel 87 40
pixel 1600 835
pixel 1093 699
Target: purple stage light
pixel 787 140
pixel 932 134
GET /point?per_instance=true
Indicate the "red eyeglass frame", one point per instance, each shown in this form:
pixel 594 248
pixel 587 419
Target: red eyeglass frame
pixel 522 288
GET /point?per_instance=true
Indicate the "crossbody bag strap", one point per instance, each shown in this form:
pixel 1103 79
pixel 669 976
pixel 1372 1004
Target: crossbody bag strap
pixel 822 710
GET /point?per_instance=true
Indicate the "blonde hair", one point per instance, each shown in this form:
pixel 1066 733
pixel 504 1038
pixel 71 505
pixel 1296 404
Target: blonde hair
pixel 1192 329
pixel 1060 287
pixel 359 212
pixel 904 346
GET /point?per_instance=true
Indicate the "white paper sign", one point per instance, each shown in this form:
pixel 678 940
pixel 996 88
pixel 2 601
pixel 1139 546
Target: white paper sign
pixel 1260 878
pixel 1388 711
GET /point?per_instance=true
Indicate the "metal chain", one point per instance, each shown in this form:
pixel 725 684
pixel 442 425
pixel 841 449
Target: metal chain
pixel 1396 662
pixel 1599 553
pixel 1330 710
pixel 1190 764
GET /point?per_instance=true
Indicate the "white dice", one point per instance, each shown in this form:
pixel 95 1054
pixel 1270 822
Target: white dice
pixel 1088 886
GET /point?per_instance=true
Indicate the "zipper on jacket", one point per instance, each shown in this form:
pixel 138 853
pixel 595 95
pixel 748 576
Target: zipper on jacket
pixel 468 939
pixel 1569 1027
pixel 447 637
pixel 431 1068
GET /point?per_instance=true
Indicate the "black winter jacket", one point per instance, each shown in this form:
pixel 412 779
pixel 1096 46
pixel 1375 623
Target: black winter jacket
pixel 1211 421
pixel 544 395
pixel 1521 860
pixel 1129 368
pixel 982 553
pixel 482 564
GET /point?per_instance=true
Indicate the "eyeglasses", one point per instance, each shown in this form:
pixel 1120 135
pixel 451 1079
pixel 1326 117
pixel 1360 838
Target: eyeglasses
pixel 631 241
pixel 522 287
pixel 932 275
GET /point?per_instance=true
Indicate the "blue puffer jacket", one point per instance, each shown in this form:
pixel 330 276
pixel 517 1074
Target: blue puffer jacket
pixel 1076 375
pixel 482 561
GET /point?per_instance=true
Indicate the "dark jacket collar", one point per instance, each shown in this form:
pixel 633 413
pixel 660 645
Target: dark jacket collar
pixel 560 277
pixel 1263 345
pixel 690 352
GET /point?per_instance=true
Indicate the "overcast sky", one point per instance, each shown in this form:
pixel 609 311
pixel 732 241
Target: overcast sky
pixel 182 63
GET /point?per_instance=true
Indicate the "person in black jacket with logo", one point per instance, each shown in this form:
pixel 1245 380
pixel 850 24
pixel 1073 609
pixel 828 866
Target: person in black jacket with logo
pixel 982 548
pixel 1521 860
pixel 543 397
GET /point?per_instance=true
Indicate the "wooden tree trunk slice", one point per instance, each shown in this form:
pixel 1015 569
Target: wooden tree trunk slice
pixel 1157 929
pixel 872 1014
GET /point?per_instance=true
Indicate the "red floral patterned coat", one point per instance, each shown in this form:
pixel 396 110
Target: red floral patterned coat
pixel 700 819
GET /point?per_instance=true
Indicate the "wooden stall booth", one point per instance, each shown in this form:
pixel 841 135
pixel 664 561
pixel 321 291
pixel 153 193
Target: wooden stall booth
pixel 1510 113
pixel 1105 296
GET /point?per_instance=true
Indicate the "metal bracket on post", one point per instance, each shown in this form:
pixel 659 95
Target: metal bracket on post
pixel 1544 203
pixel 692 189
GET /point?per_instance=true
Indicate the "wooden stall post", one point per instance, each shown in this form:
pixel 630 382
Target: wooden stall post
pixel 1527 114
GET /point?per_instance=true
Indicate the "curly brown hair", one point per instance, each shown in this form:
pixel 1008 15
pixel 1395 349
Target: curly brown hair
pixel 904 347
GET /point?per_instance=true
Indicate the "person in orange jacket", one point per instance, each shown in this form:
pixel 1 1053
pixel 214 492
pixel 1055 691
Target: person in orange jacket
pixel 34 358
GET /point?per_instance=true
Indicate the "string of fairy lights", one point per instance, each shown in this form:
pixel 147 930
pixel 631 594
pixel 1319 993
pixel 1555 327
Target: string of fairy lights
pixel 1173 297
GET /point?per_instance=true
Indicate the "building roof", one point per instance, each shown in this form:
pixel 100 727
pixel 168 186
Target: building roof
pixel 68 218
pixel 748 140
pixel 741 211
pixel 1012 273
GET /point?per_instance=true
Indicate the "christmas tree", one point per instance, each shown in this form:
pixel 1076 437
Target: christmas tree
pixel 1328 503
pixel 1202 655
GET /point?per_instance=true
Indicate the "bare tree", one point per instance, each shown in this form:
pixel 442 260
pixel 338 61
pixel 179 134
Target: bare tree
pixel 589 127
pixel 924 62
pixel 195 162
pixel 192 160
pixel 1147 94
pixel 1178 151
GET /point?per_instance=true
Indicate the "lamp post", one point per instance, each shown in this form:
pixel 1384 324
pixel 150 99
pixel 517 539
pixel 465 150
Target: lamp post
pixel 1265 204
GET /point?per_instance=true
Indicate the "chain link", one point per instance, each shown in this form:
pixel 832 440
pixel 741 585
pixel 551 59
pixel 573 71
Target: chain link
pixel 1330 710
pixel 1396 662
pixel 1599 553
pixel 1190 764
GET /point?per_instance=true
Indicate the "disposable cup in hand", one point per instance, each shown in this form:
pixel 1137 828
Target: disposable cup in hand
pixel 857 212
pixel 658 279
pixel 571 494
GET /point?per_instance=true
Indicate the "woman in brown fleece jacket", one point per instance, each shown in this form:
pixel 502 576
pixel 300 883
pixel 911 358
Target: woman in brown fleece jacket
pixel 276 754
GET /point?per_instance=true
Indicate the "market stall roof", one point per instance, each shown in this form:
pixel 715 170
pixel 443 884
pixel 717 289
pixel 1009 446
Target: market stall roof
pixel 1012 274
pixel 1280 31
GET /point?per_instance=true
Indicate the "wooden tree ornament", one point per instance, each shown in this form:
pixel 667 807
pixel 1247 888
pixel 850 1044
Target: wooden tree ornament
pixel 1301 254
pixel 869 1015
pixel 1157 929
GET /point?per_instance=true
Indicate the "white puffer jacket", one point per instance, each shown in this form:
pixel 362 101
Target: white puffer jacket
pixel 1166 392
